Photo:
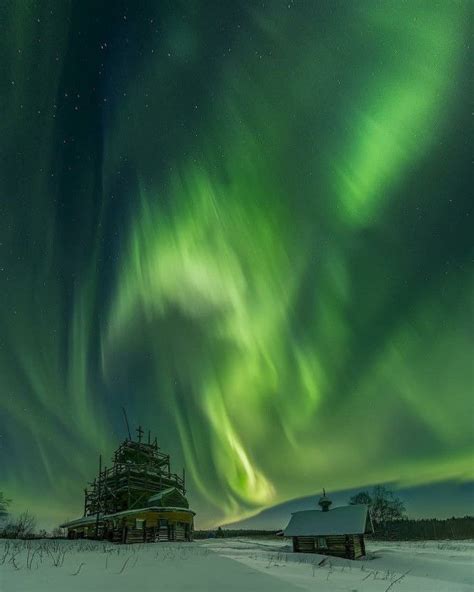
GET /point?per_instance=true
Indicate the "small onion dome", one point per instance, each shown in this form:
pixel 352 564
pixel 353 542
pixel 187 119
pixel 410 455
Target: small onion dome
pixel 324 502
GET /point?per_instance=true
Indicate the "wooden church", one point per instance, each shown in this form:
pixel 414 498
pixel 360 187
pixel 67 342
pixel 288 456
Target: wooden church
pixel 339 532
pixel 137 500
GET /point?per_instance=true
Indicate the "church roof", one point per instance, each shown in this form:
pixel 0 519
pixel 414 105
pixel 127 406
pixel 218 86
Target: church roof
pixel 171 496
pixel 85 520
pixel 151 509
pixel 161 494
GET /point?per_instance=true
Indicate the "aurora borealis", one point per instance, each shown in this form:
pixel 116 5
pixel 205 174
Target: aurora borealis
pixel 247 222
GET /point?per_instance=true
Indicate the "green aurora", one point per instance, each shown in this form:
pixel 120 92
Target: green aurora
pixel 250 226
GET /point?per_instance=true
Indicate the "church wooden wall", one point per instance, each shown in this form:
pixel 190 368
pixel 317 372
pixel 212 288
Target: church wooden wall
pixel 123 529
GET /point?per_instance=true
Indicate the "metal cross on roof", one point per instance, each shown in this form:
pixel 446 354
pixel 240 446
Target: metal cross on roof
pixel 140 433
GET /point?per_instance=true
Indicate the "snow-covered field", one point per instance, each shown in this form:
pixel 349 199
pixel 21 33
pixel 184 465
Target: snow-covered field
pixel 237 565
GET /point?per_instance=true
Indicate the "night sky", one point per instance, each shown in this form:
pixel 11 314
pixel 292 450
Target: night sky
pixel 248 223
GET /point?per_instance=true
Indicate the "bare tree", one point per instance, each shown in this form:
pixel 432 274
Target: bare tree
pixel 363 497
pixel 23 527
pixel 384 505
pixel 4 503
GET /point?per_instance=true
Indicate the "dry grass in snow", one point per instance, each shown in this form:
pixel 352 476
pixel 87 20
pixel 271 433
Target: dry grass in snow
pixel 235 565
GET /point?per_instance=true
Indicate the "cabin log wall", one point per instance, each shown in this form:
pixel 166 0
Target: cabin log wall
pixel 348 546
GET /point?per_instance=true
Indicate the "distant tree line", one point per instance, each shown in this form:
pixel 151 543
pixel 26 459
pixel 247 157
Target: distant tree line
pixel 229 533
pixel 390 522
pixel 427 529
pixel 398 530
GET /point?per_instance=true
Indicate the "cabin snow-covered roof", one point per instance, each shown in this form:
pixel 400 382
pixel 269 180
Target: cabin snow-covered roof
pixel 342 520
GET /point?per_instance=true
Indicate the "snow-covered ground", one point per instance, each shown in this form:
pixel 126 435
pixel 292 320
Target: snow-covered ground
pixel 427 566
pixel 237 565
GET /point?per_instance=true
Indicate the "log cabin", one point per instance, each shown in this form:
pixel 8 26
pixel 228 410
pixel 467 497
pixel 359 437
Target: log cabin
pixel 338 532
pixel 137 500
